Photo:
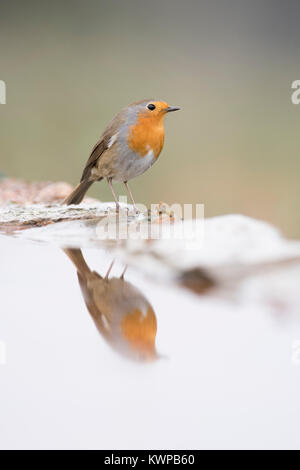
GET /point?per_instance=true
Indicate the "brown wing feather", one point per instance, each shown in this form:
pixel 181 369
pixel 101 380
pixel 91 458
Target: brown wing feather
pixel 102 145
pixel 97 151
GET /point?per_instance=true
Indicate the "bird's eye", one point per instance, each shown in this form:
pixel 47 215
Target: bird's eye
pixel 151 106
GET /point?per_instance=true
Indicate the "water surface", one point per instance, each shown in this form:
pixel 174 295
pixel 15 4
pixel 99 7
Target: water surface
pixel 186 371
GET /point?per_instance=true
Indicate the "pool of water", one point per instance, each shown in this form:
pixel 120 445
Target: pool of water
pixel 88 363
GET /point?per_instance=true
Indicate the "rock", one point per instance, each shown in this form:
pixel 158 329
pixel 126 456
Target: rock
pixel 21 192
pixel 35 204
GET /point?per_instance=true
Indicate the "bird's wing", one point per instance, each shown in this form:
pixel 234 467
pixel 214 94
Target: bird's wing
pixel 96 153
pixel 104 143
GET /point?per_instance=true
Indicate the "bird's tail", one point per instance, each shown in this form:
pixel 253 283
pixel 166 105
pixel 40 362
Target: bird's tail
pixel 78 260
pixel 78 193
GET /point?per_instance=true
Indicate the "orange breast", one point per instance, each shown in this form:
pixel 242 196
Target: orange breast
pixel 140 330
pixel 147 134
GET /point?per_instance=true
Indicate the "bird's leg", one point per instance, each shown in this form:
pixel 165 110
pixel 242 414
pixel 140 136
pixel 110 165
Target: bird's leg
pixel 123 273
pixel 114 194
pixel 109 269
pixel 131 197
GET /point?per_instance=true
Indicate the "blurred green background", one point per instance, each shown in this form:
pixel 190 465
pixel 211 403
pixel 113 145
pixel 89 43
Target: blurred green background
pixel 70 66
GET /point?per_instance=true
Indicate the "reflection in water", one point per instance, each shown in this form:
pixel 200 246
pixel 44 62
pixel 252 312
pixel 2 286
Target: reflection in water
pixel 120 311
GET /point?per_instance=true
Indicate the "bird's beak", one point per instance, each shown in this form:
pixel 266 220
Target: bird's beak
pixel 171 108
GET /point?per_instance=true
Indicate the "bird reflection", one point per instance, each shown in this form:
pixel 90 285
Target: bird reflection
pixel 122 314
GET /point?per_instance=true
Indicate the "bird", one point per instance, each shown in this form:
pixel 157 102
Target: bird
pixel 121 313
pixel 129 145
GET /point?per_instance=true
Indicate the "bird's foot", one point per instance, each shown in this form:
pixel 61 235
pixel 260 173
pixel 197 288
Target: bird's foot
pixel 136 210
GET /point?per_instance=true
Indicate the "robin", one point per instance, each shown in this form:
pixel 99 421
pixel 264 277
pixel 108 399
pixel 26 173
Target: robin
pixel 129 145
pixel 122 314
